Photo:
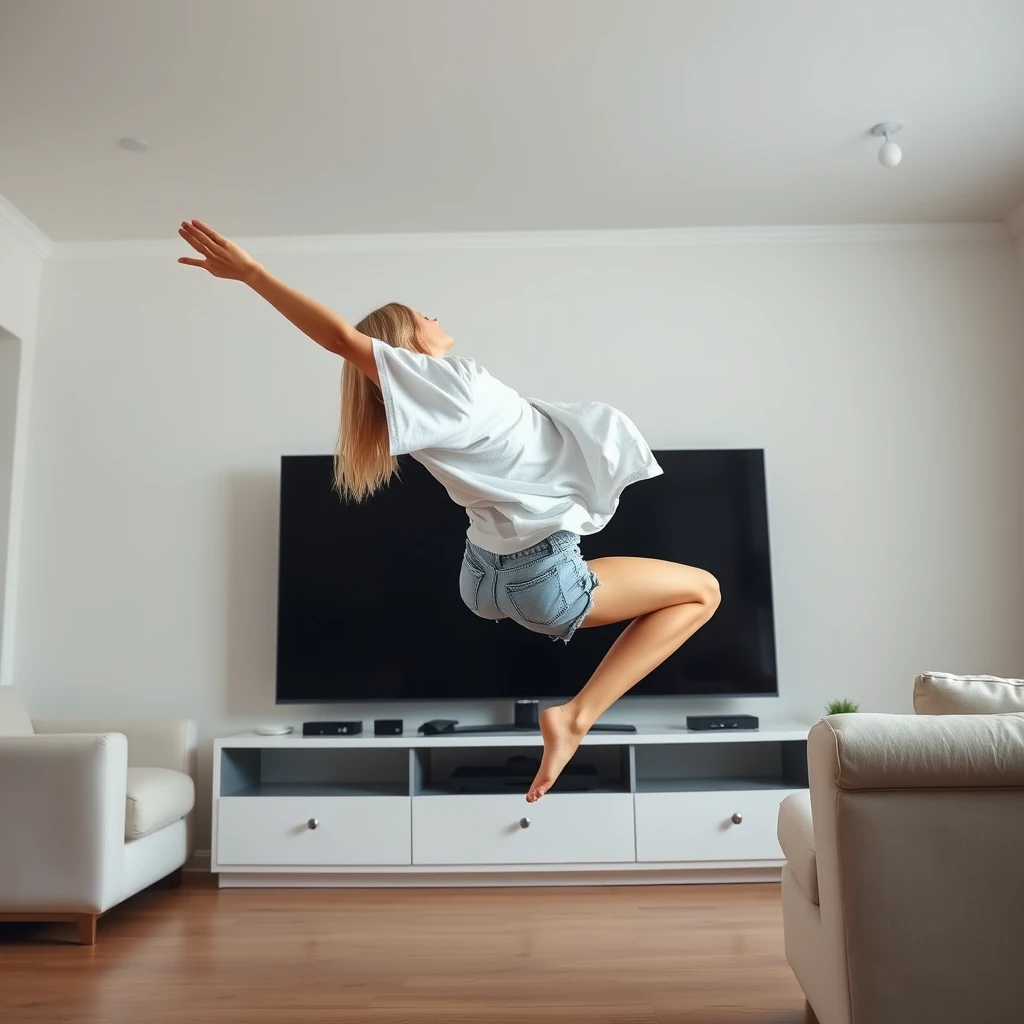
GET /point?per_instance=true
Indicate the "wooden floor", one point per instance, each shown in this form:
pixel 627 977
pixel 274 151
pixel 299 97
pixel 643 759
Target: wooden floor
pixel 641 955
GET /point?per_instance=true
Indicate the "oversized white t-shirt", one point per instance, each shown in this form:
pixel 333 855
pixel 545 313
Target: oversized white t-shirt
pixel 522 469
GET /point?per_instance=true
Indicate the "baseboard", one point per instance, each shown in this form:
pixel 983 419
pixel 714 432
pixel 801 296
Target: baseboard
pixel 200 862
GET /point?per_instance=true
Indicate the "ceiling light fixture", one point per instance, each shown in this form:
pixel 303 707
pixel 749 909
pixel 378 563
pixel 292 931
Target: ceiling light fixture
pixel 890 154
pixel 133 144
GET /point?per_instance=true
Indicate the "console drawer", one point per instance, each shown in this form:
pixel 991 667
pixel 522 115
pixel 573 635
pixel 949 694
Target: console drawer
pixel 680 827
pixel 272 831
pixel 576 828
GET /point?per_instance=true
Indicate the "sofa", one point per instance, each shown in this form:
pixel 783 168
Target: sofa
pixel 91 812
pixel 903 890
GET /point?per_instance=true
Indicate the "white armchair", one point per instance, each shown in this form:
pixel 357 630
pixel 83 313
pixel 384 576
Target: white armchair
pixel 91 812
pixel 903 891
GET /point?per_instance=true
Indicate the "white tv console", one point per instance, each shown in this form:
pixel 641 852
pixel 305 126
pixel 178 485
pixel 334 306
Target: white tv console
pixel 670 805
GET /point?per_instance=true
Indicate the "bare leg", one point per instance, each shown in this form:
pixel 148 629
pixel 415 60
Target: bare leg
pixel 668 603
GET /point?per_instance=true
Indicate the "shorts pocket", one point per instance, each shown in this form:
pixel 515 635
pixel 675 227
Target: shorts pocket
pixel 539 601
pixel 470 579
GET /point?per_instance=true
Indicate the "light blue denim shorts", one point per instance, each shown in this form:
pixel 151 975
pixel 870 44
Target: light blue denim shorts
pixel 547 588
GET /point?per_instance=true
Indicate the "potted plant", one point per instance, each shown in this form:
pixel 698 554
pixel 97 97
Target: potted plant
pixel 841 707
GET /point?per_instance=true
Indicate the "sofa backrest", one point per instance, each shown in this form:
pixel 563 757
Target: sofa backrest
pixel 940 693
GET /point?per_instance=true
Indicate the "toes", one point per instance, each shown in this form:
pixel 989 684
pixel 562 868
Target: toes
pixel 536 791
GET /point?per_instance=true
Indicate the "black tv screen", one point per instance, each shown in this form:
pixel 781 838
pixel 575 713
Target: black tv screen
pixel 368 594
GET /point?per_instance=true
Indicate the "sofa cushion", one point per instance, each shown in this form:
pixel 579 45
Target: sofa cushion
pixel 940 693
pixel 155 798
pixel 14 720
pixel 796 837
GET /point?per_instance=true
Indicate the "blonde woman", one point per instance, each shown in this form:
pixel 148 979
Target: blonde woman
pixel 533 477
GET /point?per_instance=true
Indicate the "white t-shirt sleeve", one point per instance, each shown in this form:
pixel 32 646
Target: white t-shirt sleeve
pixel 428 401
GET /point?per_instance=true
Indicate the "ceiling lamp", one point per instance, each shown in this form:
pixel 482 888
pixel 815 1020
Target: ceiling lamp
pixel 890 154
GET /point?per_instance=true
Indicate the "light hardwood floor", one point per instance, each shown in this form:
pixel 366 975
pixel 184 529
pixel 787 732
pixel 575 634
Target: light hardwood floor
pixel 640 955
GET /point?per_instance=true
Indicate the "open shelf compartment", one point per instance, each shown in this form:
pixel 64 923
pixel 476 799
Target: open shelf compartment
pixel 442 771
pixel 720 767
pixel 266 771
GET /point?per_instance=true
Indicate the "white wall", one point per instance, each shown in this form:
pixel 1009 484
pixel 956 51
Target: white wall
pixel 21 265
pixel 882 378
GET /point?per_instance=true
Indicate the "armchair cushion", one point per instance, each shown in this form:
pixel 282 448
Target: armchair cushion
pixel 796 837
pixel 939 693
pixel 14 720
pixel 155 797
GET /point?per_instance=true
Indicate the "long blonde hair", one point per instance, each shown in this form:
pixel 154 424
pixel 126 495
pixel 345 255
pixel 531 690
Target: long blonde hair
pixel 362 460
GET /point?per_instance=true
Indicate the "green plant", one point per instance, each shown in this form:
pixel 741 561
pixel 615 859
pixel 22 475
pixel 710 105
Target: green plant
pixel 841 707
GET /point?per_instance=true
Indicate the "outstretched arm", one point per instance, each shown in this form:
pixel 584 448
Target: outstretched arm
pixel 224 259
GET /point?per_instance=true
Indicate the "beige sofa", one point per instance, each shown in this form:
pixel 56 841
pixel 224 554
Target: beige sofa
pixel 903 903
pixel 91 812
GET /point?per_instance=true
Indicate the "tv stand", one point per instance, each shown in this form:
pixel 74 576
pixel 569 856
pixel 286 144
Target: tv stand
pixel 527 719
pixel 658 805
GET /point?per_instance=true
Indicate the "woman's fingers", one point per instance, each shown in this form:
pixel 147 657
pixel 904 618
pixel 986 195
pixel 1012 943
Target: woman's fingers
pixel 212 235
pixel 194 239
pixel 208 237
pixel 191 262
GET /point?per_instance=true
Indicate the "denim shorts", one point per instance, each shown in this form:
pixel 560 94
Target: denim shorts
pixel 547 588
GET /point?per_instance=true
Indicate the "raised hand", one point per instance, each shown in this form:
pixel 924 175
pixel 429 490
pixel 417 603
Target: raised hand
pixel 221 257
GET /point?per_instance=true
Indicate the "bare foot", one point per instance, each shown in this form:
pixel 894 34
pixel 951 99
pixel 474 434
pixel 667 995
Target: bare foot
pixel 561 738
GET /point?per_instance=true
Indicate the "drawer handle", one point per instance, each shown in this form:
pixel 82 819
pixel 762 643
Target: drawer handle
pixel 313 823
pixel 737 819
pixel 524 822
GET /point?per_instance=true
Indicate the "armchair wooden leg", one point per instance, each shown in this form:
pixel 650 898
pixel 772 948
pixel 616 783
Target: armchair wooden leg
pixel 174 879
pixel 87 928
pixel 809 1015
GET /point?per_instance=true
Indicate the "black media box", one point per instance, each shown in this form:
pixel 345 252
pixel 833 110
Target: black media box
pixel 332 728
pixel 388 727
pixel 705 723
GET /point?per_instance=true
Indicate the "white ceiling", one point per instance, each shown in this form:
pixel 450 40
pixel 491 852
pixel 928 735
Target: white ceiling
pixel 306 117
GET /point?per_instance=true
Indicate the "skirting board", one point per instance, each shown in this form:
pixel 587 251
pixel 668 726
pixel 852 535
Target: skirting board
pixel 200 862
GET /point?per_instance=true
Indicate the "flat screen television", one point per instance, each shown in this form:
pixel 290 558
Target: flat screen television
pixel 368 594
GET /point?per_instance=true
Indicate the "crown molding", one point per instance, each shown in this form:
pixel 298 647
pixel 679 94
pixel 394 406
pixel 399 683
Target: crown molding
pixel 1015 222
pixel 23 229
pixel 666 238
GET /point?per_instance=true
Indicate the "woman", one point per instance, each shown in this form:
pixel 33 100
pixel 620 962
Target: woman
pixel 533 477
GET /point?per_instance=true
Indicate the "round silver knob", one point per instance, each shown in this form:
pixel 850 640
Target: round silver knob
pixel 524 822
pixel 737 819
pixel 313 823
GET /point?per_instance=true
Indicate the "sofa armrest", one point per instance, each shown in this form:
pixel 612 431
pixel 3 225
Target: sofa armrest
pixel 152 742
pixel 796 837
pixel 875 752
pixel 62 809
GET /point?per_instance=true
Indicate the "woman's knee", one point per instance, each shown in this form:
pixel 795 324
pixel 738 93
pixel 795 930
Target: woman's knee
pixel 709 593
